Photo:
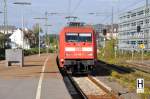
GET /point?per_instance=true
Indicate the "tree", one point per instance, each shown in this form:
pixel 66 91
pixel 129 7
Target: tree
pixel 2 40
pixel 30 36
pixel 35 30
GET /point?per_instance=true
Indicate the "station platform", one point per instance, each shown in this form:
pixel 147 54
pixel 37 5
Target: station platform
pixel 38 79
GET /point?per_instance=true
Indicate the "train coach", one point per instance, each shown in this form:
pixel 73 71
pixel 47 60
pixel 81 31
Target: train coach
pixel 77 48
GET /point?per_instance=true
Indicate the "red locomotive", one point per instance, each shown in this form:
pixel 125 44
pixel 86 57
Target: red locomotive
pixel 77 48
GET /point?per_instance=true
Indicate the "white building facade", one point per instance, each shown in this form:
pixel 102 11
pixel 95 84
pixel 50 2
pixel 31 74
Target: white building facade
pixel 17 40
pixel 128 37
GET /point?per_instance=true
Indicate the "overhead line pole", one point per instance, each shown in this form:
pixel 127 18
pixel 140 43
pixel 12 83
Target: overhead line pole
pixel 147 32
pixel 38 18
pixel 46 30
pixel 112 20
pixel 22 23
pixel 5 21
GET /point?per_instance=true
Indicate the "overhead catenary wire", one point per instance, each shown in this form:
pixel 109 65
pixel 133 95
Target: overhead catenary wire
pixel 69 8
pixel 76 7
pixel 131 5
pixel 120 10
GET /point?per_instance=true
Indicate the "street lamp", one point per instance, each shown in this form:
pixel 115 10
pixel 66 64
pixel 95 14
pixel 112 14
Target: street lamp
pixel 22 4
pixel 39 32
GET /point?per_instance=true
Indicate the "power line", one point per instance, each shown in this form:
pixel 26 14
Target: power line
pixel 77 6
pixel 69 7
pixel 131 5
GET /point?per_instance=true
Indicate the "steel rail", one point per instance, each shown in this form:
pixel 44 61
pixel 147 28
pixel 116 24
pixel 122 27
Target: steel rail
pixel 110 92
pixel 81 93
pixel 75 85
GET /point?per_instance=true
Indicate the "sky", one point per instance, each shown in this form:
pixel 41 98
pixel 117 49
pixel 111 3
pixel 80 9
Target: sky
pixel 79 8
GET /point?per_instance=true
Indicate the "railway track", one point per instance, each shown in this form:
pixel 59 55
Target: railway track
pixel 93 88
pixel 72 86
pixel 114 67
pixel 141 67
pixel 88 87
pixel 131 67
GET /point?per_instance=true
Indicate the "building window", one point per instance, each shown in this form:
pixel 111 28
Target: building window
pixel 140 13
pixel 147 21
pixel 140 42
pixel 145 42
pixel 133 24
pixel 133 15
pixel 146 31
pixel 147 11
pixel 128 16
pixel 133 42
pixel 140 23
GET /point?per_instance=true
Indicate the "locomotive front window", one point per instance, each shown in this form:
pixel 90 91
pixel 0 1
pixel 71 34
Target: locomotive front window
pixel 78 37
pixel 71 37
pixel 85 37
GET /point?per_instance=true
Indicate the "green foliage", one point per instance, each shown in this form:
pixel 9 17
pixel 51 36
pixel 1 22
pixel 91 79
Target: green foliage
pixel 115 74
pixel 107 53
pixel 36 51
pixel 2 54
pixel 35 30
pixel 53 41
pixel 1 40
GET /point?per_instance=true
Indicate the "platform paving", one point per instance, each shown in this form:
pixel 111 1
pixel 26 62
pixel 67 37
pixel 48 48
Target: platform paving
pixel 23 83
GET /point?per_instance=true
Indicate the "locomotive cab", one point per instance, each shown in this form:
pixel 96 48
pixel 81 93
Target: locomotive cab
pixel 77 48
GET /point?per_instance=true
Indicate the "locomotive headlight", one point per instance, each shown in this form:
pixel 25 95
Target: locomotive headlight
pixel 62 60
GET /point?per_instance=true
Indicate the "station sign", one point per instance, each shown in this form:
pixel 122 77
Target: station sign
pixel 140 85
pixel 142 46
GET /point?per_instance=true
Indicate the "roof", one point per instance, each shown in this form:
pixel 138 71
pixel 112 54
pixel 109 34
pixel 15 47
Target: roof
pixel 9 27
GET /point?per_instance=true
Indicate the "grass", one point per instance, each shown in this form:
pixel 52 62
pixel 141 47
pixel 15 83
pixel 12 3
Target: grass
pixel 128 79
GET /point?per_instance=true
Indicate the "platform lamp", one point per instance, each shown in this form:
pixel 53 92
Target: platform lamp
pixel 22 4
pixel 47 38
pixel 4 30
pixel 37 18
pixel 46 23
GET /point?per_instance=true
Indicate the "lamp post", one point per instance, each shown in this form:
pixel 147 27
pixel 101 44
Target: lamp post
pixel 39 34
pixel 22 25
pixel 4 35
pixel 47 38
pixel 46 25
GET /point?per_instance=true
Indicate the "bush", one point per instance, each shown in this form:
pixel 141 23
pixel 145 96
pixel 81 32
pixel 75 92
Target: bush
pixel 2 54
pixel 115 74
pixel 33 51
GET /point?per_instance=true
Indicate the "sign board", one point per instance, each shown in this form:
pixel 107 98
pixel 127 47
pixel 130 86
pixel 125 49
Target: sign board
pixel 14 56
pixel 140 85
pixel 142 46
